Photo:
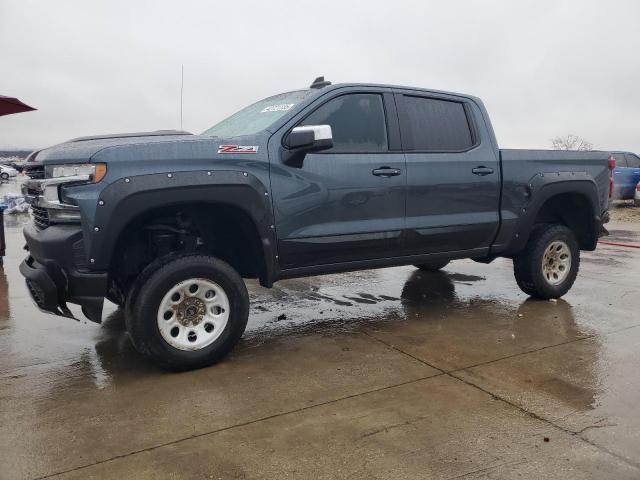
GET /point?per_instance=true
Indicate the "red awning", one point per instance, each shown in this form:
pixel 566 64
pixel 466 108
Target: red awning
pixel 9 105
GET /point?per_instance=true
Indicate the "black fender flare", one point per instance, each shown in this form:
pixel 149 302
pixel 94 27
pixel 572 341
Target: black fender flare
pixel 544 186
pixel 127 198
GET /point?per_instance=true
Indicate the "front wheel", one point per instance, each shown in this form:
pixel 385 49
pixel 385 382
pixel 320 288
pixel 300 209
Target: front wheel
pixel 188 313
pixel 4 176
pixel 548 266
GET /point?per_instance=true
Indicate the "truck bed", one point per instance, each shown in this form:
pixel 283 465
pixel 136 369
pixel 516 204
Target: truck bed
pixel 521 165
pixel 527 173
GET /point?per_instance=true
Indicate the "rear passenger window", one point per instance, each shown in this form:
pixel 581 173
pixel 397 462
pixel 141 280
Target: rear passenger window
pixel 632 160
pixel 357 122
pixel 433 125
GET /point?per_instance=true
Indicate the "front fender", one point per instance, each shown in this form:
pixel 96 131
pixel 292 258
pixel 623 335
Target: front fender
pixel 126 199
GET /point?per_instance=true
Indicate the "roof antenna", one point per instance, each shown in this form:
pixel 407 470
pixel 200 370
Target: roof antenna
pixel 181 93
pixel 320 82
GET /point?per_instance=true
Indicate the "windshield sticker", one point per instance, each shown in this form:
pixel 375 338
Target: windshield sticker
pixel 283 107
pixel 237 149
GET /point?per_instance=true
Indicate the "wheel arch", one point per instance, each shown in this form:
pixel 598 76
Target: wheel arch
pixel 125 203
pixel 573 203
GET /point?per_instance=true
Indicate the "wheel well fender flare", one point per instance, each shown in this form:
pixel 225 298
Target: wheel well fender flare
pixel 124 200
pixel 544 187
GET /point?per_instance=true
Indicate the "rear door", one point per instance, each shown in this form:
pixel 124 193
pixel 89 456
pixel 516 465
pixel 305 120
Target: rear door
pixel 346 203
pixel 453 174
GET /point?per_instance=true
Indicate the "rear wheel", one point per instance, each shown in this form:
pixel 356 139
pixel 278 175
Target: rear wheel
pixel 4 176
pixel 188 313
pixel 548 266
pixel 433 266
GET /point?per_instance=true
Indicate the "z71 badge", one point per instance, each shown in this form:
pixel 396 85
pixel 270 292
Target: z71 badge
pixel 237 149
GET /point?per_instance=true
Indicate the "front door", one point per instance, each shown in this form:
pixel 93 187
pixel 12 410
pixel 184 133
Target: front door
pixel 346 203
pixel 453 175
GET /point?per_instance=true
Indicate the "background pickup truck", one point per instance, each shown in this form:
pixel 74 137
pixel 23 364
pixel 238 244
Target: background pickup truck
pixel 626 175
pixel 327 179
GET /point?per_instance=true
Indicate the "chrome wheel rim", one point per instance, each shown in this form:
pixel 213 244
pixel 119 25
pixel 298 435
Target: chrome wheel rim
pixel 193 314
pixel 556 262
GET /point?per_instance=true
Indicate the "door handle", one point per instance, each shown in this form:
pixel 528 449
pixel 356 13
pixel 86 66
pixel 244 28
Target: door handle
pixel 482 170
pixel 386 172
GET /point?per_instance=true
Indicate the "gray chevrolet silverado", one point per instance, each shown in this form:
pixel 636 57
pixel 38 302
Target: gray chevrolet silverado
pixel 332 178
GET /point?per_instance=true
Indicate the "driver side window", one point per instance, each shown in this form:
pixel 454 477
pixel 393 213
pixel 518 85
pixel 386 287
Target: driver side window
pixel 357 122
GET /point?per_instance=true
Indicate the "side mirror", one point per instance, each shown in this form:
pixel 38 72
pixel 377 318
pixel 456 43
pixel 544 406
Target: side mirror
pixel 310 138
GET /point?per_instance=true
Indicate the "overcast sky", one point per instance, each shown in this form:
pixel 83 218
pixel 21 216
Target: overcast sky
pixel 543 68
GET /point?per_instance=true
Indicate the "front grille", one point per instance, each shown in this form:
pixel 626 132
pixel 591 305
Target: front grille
pixel 40 217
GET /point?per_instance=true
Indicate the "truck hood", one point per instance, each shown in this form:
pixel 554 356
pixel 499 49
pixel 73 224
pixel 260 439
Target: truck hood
pixel 160 145
pixel 83 148
pixel 157 152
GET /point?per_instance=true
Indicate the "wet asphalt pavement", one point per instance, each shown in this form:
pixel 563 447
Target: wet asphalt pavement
pixel 389 373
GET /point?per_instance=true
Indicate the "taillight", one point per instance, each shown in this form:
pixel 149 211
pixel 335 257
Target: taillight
pixel 612 166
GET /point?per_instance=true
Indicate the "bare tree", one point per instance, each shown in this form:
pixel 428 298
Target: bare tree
pixel 571 142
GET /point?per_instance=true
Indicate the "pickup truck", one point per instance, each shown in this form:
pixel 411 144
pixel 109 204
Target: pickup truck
pixel 331 178
pixel 626 175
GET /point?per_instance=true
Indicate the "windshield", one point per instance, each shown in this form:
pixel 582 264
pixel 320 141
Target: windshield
pixel 257 117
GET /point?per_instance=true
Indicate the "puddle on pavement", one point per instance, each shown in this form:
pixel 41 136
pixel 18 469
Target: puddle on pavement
pixel 347 300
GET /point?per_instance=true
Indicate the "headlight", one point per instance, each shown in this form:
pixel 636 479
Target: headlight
pixel 96 171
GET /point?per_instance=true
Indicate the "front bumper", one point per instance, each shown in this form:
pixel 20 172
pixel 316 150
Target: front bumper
pixel 56 272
